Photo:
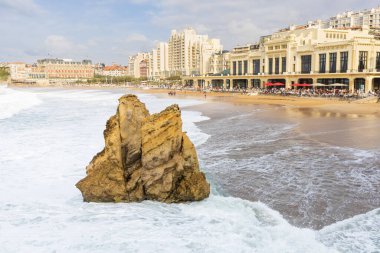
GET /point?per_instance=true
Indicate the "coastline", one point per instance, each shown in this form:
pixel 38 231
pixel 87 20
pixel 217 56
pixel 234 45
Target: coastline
pixel 254 153
pixel 325 106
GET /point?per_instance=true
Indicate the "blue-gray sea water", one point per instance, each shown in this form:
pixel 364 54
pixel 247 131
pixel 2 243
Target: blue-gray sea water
pixel 48 136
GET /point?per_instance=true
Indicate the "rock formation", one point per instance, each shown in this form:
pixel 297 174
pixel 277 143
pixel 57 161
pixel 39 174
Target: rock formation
pixel 146 157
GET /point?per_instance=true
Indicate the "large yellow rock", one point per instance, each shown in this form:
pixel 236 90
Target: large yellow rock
pixel 145 158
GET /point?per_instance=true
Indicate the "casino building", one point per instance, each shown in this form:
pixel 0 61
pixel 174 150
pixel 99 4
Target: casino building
pixel 308 54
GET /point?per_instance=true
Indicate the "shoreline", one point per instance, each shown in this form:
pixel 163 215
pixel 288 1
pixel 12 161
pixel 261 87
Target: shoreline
pixel 353 109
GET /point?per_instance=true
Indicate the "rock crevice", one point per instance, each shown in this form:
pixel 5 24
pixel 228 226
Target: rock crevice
pixel 146 157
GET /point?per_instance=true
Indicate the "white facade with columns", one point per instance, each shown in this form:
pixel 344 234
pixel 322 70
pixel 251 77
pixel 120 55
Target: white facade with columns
pixel 307 54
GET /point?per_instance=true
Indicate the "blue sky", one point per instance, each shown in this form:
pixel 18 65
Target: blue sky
pixel 110 30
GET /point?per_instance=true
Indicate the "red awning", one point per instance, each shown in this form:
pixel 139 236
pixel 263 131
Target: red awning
pixel 301 84
pixel 274 84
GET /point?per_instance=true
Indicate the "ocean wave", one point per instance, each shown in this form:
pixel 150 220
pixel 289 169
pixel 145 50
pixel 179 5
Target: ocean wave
pixel 42 211
pixel 13 101
pixel 359 234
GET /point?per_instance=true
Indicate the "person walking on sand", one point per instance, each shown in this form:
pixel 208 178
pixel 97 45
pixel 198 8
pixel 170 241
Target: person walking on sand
pixel 205 94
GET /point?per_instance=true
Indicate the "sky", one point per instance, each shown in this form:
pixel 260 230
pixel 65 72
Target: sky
pixel 108 31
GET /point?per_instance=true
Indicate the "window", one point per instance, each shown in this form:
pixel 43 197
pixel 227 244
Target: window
pixel 234 68
pixel 245 67
pixel 343 62
pixel 270 66
pixel 240 65
pixel 277 66
pixel 363 55
pixel 332 62
pixel 322 63
pixel 378 61
pixel 283 64
pixel 305 64
pixel 256 67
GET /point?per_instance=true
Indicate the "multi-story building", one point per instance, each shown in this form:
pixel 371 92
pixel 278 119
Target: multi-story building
pixel 114 70
pixel 134 64
pixel 158 62
pixel 351 19
pixel 144 68
pixel 219 63
pixel 66 68
pixel 189 52
pixel 18 71
pixel 186 53
pixel 305 54
pixel 37 72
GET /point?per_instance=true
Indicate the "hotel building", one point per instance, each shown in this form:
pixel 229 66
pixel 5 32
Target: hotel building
pixel 18 71
pixel 189 53
pixel 351 19
pixel 302 54
pixel 114 70
pixel 135 62
pixel 66 69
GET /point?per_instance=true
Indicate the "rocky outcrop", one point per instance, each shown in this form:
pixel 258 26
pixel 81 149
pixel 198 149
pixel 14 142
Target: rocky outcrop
pixel 146 157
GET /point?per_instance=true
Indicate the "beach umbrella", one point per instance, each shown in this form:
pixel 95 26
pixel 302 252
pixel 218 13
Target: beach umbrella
pixel 301 84
pixel 338 85
pixel 319 85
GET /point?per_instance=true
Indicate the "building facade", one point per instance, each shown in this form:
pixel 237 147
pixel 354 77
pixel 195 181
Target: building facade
pixel 134 64
pixel 158 62
pixel 186 53
pixel 219 63
pixel 114 70
pixel 18 71
pixel 357 19
pixel 66 68
pixel 304 54
pixel 189 52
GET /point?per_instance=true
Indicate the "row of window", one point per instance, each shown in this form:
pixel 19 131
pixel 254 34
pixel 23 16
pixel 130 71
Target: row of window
pixel 241 67
pixel 277 47
pixel 336 36
pixel 69 71
pixel 237 66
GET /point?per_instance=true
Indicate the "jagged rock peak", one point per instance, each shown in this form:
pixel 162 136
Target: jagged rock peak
pixel 146 157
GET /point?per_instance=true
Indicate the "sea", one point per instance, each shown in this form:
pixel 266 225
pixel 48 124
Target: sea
pixel 275 188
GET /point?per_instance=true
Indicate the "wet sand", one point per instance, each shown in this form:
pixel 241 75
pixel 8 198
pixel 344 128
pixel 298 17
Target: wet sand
pixel 315 166
pixel 323 105
pixel 316 161
pixel 352 109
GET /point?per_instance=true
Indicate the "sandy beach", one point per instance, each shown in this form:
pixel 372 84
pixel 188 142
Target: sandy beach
pixel 287 162
pixel 332 107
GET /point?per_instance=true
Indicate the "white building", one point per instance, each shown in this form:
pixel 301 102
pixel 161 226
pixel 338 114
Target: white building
pixel 189 52
pixel 358 19
pixel 134 64
pixel 219 63
pixel 114 70
pixel 18 70
pixel 299 55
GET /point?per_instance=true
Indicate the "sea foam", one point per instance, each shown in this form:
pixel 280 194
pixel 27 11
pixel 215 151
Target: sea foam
pixel 13 101
pixel 42 211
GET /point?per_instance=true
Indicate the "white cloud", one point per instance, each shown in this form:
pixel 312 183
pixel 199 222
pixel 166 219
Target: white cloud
pixel 136 37
pixel 27 7
pixel 60 46
pixel 241 21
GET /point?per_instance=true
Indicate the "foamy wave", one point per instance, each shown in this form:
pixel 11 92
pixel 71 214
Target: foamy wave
pixel 14 101
pixel 358 234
